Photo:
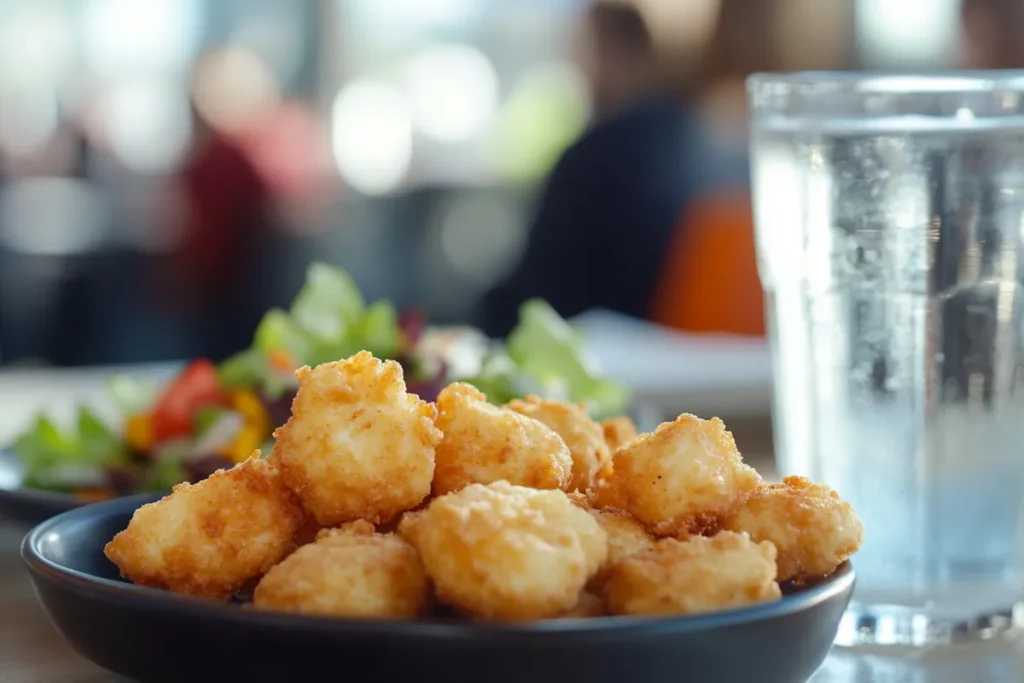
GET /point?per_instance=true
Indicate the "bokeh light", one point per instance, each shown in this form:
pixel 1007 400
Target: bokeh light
pixel 36 45
pixel 545 112
pixel 909 32
pixel 681 28
pixel 52 216
pixel 481 237
pixel 148 124
pixel 233 89
pixel 453 90
pixel 276 39
pixel 289 150
pixel 372 135
pixel 28 118
pixel 403 15
pixel 122 36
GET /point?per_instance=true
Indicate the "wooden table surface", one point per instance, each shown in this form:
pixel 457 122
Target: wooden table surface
pixel 31 651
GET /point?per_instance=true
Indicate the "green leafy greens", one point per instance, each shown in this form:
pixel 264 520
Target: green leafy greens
pixel 133 394
pixel 546 356
pixel 327 321
pixel 68 459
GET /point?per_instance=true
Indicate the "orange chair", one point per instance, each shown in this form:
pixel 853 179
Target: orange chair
pixel 709 282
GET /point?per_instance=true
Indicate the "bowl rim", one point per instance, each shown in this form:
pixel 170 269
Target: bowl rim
pixel 9 459
pixel 155 600
pixel 42 496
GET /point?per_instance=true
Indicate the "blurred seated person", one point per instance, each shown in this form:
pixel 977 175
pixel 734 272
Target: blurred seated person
pixel 991 34
pixel 709 281
pixel 217 274
pixel 607 212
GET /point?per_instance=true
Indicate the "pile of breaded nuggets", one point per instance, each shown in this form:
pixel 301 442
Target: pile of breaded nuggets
pixel 376 504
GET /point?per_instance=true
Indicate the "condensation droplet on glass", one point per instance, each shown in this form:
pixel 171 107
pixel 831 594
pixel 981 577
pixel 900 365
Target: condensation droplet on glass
pixel 817 161
pixel 964 114
pixel 894 383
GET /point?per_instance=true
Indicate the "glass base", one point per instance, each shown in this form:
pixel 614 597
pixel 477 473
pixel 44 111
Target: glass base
pixel 865 625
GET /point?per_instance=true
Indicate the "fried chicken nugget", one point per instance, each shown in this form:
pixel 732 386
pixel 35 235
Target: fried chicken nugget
pixel 618 431
pixel 697 575
pixel 626 537
pixel 682 478
pixel 348 572
pixel 357 445
pixel 583 436
pixel 208 539
pixel 812 528
pixel 603 493
pixel 505 552
pixel 484 443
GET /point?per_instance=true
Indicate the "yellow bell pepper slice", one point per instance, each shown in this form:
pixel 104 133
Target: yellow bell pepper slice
pixel 138 432
pixel 251 408
pixel 248 440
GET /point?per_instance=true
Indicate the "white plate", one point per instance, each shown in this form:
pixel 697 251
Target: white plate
pixel 25 392
pixel 706 375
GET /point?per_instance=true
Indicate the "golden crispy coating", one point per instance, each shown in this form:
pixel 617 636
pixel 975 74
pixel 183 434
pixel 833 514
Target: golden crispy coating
pixel 582 435
pixel 505 552
pixel 307 533
pixel 618 431
pixel 626 537
pixel 683 477
pixel 698 575
pixel 812 528
pixel 604 494
pixel 587 606
pixel 484 443
pixel 357 445
pixel 208 539
pixel 348 572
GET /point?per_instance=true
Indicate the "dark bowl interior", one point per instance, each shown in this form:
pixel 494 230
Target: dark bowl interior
pixel 152 635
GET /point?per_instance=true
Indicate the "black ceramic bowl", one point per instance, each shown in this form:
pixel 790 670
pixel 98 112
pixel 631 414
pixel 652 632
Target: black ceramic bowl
pixel 151 635
pixel 28 506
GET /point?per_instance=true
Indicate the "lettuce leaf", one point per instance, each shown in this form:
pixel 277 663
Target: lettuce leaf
pixel 42 446
pixel 247 368
pixel 329 303
pixel 167 468
pixel 57 459
pixel 544 355
pixel 97 443
pixel 378 331
pixel 278 331
pixel 133 394
pixel 544 346
pixel 327 321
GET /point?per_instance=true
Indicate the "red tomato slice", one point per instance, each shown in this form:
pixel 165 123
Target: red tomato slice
pixel 175 410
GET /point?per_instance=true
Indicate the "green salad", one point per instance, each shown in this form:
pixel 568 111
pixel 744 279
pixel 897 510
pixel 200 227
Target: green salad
pixel 210 416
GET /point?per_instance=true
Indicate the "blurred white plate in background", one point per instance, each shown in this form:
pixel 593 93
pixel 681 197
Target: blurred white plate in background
pixel 707 375
pixel 25 392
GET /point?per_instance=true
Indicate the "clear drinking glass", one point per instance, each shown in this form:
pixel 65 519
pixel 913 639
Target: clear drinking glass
pixel 889 213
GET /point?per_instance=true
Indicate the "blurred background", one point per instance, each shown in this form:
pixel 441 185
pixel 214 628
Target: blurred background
pixel 168 168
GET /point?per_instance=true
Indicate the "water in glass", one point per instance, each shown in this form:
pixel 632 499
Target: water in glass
pixel 890 254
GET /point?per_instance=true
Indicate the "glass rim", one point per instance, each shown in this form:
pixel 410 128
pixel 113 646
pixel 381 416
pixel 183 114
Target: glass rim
pixel 884 82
